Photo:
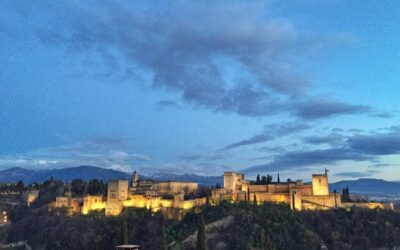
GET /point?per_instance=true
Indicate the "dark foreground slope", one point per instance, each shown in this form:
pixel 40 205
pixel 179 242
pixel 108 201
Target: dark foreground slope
pixel 262 227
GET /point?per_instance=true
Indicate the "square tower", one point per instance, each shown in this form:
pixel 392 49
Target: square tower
pixel 320 185
pixel 117 192
pixel 233 181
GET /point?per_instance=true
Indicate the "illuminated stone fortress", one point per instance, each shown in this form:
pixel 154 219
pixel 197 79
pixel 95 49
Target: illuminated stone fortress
pixel 298 195
pixel 167 196
pixel 173 198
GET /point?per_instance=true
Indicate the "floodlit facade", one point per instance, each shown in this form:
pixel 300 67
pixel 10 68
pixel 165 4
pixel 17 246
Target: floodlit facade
pixel 298 195
pixel 32 196
pixel 171 197
pixel 164 196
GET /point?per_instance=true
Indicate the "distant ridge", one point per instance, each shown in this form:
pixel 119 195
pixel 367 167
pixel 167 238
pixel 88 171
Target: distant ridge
pixel 65 174
pixel 373 188
pixel 91 172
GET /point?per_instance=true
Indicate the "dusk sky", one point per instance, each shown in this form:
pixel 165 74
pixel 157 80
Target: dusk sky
pixel 202 87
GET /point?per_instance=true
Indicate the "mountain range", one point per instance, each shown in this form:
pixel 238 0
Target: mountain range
pixel 90 172
pixel 376 189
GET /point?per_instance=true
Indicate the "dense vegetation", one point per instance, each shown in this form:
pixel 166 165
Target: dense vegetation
pixel 269 226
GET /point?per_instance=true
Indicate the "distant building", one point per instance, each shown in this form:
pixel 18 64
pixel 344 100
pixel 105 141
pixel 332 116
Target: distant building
pixel 32 196
pixel 3 217
pixel 127 247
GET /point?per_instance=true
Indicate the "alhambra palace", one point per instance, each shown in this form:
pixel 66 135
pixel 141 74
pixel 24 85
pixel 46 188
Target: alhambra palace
pixel 174 198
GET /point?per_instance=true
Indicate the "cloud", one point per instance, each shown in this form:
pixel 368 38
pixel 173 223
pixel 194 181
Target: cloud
pixel 358 147
pixel 270 132
pixel 206 156
pixel 140 157
pixel 252 140
pixel 331 139
pixel 201 168
pixel 300 159
pixel 383 115
pixel 355 174
pixel 386 143
pixel 167 104
pixel 186 47
pixel 318 108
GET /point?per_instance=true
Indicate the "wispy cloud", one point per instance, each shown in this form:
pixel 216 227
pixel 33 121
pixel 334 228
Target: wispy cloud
pixel 271 131
pixel 330 139
pixel 322 108
pixel 355 174
pixel 300 159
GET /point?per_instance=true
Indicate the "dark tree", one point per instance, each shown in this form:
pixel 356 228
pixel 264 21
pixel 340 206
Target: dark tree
pixel 201 243
pixel 164 243
pixel 20 186
pixel 264 180
pixel 254 207
pixel 96 187
pixel 269 179
pixel 124 231
pixel 78 187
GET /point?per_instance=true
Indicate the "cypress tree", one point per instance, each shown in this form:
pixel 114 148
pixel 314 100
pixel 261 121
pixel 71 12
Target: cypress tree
pixel 258 179
pixel 164 243
pixel 201 243
pixel 254 207
pixel 124 231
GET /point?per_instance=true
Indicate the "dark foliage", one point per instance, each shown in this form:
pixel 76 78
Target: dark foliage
pixel 267 226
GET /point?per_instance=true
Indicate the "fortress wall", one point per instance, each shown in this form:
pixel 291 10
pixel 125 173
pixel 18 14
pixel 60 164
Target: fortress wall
pixel 241 196
pixel 76 206
pixel 171 187
pixel 258 188
pixel 73 205
pixel 370 205
pixel 269 197
pixel 167 203
pixel 305 190
pixel 92 202
pixel 62 202
pixel 188 204
pixel 321 202
pixel 279 188
pixel 135 201
pixel 114 207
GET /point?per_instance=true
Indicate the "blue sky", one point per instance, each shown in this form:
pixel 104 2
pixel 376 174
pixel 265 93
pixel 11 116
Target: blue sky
pixel 202 87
